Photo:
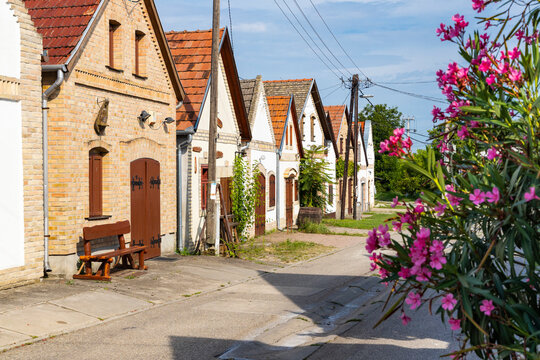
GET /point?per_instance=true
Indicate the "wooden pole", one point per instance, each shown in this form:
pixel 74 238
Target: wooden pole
pixel 346 167
pixel 212 179
pixel 355 119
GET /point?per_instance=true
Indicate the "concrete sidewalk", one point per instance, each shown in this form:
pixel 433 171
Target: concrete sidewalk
pixel 40 311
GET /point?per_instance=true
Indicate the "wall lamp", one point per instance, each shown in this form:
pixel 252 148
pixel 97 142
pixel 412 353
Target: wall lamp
pixel 144 116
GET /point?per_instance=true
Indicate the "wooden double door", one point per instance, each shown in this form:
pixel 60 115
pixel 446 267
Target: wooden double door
pixel 260 208
pixel 145 206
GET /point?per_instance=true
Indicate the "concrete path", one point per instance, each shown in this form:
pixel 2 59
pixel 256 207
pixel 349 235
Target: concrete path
pixel 208 308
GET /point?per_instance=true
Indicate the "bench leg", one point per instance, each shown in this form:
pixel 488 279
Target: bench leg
pixel 141 260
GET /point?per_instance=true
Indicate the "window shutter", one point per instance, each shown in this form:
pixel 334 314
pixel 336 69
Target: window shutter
pixel 312 128
pixel 331 193
pixel 96 185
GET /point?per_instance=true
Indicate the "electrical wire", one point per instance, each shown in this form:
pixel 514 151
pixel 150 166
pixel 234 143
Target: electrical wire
pixel 320 38
pixel 407 82
pixel 332 92
pixel 330 87
pixel 230 25
pixel 307 43
pixel 338 42
pixel 312 40
pixel 419 96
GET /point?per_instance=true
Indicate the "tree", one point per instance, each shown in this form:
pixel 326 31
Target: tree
pixel 384 120
pixel 244 195
pixel 470 248
pixel 314 178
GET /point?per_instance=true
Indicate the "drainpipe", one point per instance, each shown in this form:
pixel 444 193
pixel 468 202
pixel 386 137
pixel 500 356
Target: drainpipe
pixel 278 192
pixel 188 133
pixel 60 69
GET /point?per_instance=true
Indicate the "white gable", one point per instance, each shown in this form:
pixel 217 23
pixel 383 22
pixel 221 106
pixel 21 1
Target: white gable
pixel 262 126
pixel 311 111
pixel 225 108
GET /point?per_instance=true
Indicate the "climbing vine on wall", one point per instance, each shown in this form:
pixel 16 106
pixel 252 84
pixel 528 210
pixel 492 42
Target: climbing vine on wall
pixel 244 195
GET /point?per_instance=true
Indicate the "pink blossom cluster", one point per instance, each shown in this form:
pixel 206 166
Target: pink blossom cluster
pixel 378 239
pixel 479 5
pixel 478 196
pixel 396 145
pixel 448 33
pixel 425 252
pixel 452 199
pixel 520 35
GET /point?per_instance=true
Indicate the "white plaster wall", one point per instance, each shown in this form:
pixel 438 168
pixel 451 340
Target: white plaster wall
pixel 11 187
pixel 10 45
pixel 331 159
pixel 310 111
pixel 284 167
pixel 268 160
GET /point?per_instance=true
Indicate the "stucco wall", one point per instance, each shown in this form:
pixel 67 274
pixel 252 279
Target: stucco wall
pixel 21 194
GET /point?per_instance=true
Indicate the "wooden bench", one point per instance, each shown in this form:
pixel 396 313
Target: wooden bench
pixel 101 231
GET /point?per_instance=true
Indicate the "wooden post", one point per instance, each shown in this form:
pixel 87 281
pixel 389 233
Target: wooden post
pixel 355 117
pixel 346 167
pixel 212 178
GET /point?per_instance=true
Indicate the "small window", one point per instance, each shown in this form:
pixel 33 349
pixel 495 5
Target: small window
pixel 287 137
pixel 313 128
pixel 341 145
pixel 115 45
pixel 140 58
pixel 95 174
pixel 291 135
pixel 204 185
pixel 272 193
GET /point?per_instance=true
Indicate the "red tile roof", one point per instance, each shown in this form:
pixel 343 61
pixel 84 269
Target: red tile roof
pixel 279 109
pixel 61 23
pixel 336 116
pixel 192 51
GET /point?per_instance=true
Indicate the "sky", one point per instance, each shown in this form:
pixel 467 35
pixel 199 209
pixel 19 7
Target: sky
pixel 389 41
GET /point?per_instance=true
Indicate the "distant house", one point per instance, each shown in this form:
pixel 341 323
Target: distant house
pixel 111 88
pixel 315 129
pixel 262 152
pixel 289 150
pixel 21 184
pixel 367 191
pixel 192 54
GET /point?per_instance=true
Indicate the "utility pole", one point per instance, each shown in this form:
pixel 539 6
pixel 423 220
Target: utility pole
pixel 408 120
pixel 211 218
pixel 355 183
pixel 347 149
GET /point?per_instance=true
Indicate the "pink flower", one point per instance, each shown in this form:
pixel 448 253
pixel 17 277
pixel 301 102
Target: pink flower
pixel 405 319
pixel 448 302
pixel 477 197
pixel 490 80
pixel 455 324
pixel 493 196
pixel 531 194
pixel 423 234
pixel 514 54
pixel 395 201
pixel 437 247
pixel 437 261
pixel 396 225
pixel 440 208
pixel 485 65
pixel 414 300
pixel 419 206
pixel 463 132
pixel 478 5
pixel 487 307
pixel 404 273
pixel 515 75
pixel 493 154
pixel 372 241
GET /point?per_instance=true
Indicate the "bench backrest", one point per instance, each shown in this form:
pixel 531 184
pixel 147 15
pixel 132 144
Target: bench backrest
pixel 101 231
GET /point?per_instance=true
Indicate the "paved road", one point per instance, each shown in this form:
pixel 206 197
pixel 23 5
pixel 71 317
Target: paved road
pixel 322 309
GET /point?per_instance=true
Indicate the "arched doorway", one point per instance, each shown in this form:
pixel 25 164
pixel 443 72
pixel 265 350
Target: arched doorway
pixel 260 209
pixel 145 205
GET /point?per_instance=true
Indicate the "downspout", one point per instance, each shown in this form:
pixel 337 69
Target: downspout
pixel 189 133
pixel 60 69
pixel 278 192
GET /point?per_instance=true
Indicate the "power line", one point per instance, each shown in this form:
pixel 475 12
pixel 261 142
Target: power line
pixel 420 141
pixel 335 38
pixel 330 87
pixel 320 38
pixel 407 82
pixel 230 24
pixel 311 38
pixel 333 91
pixel 419 96
pixel 307 43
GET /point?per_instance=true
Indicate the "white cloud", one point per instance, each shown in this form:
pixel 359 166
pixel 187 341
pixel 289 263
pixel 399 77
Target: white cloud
pixel 257 27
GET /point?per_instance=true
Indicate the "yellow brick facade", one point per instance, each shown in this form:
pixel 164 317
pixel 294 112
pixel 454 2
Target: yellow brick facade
pixel 72 113
pixel 27 90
